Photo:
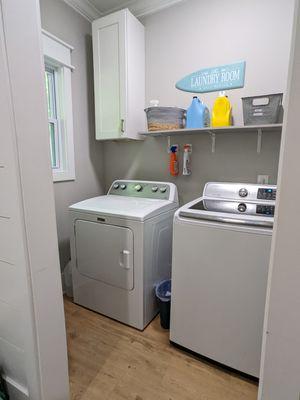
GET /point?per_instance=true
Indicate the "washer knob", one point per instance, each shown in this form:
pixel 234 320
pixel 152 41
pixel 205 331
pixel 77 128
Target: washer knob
pixel 138 188
pixel 116 186
pixel 242 207
pixel 123 186
pixel 243 192
pixel 154 189
pixel 163 189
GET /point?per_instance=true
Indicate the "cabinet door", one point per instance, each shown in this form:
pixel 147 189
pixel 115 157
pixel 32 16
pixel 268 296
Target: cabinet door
pixel 109 40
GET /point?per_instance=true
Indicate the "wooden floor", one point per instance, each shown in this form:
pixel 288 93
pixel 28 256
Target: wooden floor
pixel 108 360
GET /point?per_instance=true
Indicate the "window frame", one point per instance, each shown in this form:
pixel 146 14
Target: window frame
pixel 57 56
pixel 53 119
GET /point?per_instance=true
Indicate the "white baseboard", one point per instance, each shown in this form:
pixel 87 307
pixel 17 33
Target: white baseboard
pixel 15 390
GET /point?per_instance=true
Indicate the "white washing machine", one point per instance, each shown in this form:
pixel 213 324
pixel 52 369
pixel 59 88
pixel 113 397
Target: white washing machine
pixel 121 246
pixel 221 249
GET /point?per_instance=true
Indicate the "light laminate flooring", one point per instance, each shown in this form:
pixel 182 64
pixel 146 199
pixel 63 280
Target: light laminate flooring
pixel 110 361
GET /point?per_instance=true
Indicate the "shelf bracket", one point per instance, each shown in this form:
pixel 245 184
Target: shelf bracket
pixel 259 138
pixel 213 141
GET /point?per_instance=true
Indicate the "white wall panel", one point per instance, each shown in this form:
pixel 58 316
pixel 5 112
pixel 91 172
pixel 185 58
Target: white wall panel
pixel 12 289
pixel 7 191
pixel 7 241
pixel 12 362
pixel 11 319
pixel 28 240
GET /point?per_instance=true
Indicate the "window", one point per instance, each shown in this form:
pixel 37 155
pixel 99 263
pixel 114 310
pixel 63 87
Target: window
pixel 58 71
pixel 51 89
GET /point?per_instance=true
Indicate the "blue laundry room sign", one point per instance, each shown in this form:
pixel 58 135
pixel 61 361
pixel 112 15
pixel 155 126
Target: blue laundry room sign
pixel 230 76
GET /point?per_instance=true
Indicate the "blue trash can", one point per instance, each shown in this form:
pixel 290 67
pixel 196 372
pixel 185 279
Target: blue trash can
pixel 163 294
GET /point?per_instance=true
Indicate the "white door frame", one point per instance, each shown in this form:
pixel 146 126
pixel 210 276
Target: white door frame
pixel 280 365
pixel 42 373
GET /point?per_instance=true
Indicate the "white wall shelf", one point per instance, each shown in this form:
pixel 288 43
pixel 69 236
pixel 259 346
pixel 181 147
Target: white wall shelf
pixel 258 129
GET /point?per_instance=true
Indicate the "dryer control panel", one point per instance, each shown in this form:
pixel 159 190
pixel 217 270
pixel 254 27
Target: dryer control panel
pixel 142 189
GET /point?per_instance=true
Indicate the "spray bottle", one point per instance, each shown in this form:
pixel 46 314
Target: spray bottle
pixel 187 150
pixel 174 170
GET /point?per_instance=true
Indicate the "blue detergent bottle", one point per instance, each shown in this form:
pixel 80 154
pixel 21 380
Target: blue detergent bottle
pixel 197 115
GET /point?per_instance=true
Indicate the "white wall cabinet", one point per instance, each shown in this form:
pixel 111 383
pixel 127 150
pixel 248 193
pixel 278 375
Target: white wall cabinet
pixel 119 76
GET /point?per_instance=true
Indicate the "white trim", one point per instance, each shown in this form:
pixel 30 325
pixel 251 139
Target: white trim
pixel 57 51
pixel 15 390
pixel 67 171
pixel 56 134
pixel 23 114
pixel 58 55
pixel 139 8
pixel 85 8
pixel 60 63
pixel 68 46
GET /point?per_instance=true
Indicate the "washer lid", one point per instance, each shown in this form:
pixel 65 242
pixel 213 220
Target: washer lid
pixel 133 208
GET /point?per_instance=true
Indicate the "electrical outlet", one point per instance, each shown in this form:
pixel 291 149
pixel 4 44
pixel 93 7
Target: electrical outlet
pixel 263 179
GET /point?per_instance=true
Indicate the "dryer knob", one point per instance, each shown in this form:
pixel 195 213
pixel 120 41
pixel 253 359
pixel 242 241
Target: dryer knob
pixel 242 207
pixel 163 189
pixel 138 188
pixel 123 186
pixel 116 186
pixel 154 189
pixel 243 192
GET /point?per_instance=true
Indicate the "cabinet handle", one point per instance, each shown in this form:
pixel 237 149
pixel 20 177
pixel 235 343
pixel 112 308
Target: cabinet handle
pixel 122 125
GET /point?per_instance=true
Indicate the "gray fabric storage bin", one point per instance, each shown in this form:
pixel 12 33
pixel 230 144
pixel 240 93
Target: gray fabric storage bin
pixel 165 118
pixel 265 109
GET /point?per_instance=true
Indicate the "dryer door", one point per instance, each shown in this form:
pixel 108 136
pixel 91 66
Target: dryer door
pixel 105 253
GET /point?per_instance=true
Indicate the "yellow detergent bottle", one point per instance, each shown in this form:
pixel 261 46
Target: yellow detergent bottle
pixel 221 112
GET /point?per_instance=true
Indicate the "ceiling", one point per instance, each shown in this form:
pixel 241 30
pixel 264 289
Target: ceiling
pixel 93 9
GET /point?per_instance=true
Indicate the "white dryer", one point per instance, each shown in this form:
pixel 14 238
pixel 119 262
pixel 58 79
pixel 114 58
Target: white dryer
pixel 221 250
pixel 121 246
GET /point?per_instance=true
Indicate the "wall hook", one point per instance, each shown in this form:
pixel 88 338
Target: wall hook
pixel 259 139
pixel 213 141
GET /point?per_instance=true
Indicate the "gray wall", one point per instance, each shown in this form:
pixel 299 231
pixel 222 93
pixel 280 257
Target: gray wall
pixel 62 21
pixel 196 34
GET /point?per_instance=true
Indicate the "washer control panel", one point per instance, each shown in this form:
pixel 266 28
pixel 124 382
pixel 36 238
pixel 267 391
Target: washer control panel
pixel 266 194
pixel 147 190
pixel 242 207
pixel 240 191
pixel 265 209
pixel 240 198
pixel 243 192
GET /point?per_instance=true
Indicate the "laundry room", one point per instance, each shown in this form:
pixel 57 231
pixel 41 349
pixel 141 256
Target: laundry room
pixel 156 273
pixel 175 43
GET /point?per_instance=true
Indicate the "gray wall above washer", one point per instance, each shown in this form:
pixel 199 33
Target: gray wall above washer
pixel 194 35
